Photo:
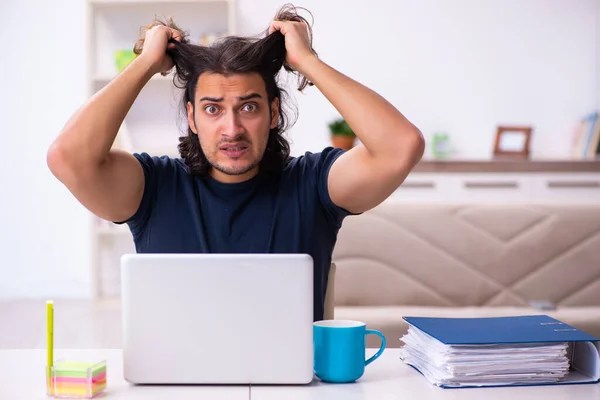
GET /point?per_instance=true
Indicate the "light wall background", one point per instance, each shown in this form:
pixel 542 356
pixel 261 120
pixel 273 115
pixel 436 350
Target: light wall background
pixel 460 66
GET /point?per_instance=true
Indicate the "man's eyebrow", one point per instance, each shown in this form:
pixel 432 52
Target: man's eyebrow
pixel 241 98
pixel 250 96
pixel 215 99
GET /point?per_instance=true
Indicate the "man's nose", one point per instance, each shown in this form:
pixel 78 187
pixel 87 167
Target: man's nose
pixel 232 125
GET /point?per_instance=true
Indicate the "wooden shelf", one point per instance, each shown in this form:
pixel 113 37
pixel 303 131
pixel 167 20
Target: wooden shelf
pixel 491 166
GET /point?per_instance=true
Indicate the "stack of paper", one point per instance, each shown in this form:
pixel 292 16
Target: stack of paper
pixel 453 352
pixel 484 364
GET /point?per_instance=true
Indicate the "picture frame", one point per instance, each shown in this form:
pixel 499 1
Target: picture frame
pixel 512 141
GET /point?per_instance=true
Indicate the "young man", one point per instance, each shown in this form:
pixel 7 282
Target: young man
pixel 223 196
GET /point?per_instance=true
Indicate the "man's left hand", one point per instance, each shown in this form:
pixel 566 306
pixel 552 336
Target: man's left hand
pixel 297 42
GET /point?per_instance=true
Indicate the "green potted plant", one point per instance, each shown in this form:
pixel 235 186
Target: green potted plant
pixel 342 135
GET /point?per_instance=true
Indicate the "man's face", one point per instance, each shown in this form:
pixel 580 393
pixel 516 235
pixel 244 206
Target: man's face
pixel 232 118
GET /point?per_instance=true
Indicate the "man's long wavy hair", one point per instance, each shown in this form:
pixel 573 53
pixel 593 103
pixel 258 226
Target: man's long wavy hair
pixel 233 55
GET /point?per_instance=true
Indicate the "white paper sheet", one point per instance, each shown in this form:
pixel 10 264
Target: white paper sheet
pixel 485 365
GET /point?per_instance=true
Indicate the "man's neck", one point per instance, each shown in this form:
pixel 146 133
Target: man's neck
pixel 226 178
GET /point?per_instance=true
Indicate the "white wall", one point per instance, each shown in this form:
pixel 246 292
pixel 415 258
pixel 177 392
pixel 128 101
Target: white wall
pixel 43 246
pixel 462 66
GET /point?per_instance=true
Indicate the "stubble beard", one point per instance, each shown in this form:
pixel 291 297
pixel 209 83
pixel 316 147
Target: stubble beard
pixel 228 169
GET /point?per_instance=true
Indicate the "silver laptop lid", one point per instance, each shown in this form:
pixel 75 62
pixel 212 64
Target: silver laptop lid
pixel 217 318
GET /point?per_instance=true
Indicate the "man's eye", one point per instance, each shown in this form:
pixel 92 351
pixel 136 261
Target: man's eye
pixel 249 107
pixel 211 109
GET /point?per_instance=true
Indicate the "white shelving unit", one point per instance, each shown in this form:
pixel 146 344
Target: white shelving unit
pixel 155 121
pixel 505 187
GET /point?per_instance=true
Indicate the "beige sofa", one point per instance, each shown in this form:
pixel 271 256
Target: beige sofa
pixel 468 260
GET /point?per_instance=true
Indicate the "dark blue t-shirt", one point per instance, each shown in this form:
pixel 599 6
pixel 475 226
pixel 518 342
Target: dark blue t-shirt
pixel 289 211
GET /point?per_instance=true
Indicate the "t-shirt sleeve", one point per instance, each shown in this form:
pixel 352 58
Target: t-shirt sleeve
pixel 319 165
pixel 152 170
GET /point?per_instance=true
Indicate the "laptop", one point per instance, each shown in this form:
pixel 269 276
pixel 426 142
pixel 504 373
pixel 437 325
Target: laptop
pixel 217 318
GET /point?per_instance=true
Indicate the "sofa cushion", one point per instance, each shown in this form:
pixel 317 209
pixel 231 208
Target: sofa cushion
pixel 464 255
pixel 388 319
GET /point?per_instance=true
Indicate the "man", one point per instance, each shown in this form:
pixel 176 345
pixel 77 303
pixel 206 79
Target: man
pixel 223 196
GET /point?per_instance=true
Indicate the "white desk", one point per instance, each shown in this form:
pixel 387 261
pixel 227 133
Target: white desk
pixel 22 377
pixel 388 378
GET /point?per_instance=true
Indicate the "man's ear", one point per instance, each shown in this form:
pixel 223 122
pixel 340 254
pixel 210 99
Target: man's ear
pixel 274 112
pixel 190 117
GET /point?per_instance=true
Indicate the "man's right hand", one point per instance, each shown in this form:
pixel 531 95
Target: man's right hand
pixel 155 45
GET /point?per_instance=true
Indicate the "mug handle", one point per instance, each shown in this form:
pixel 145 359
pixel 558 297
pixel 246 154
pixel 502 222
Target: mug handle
pixel 376 355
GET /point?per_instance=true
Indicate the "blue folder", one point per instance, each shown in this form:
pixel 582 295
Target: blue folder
pixel 585 357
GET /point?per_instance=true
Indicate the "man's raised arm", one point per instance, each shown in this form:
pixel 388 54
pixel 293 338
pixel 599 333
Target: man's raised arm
pixel 390 146
pixel 109 183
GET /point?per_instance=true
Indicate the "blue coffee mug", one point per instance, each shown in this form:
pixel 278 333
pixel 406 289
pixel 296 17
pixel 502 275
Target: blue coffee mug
pixel 340 350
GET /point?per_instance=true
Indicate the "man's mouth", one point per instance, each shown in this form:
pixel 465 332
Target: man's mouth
pixel 234 150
